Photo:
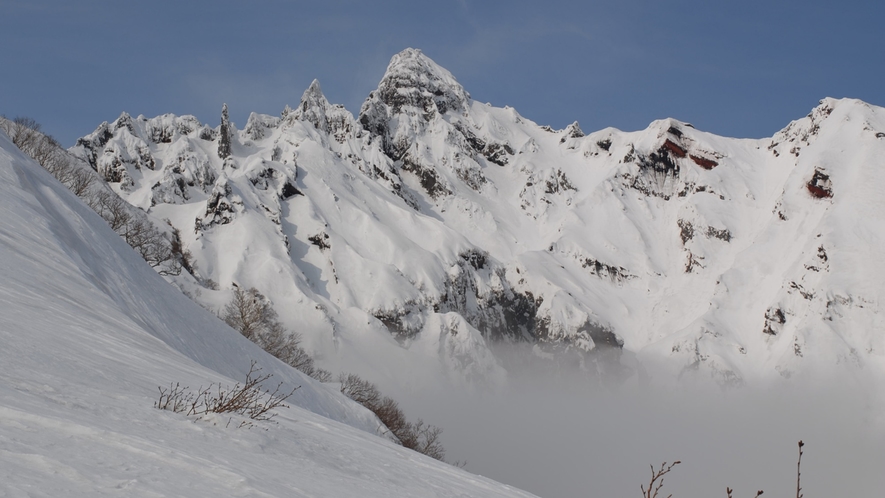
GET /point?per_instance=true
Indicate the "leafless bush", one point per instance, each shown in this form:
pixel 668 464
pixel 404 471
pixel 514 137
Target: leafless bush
pixel 179 252
pixel 390 414
pixel 113 209
pixel 424 439
pixel 252 315
pixel 359 390
pixel 322 375
pixel 152 244
pixel 26 134
pixel 416 436
pixel 80 181
pixel 248 399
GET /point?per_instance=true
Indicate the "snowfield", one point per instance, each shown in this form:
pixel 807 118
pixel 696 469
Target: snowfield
pixel 89 332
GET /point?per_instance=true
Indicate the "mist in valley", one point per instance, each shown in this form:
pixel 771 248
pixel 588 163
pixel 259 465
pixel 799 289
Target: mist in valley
pixel 562 434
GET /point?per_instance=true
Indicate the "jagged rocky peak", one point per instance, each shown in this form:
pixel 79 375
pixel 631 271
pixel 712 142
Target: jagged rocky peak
pixel 259 126
pixel 415 80
pixel 415 86
pixel 572 131
pixel 314 108
pixel 802 132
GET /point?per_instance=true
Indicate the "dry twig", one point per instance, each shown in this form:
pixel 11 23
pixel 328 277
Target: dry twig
pixel 657 476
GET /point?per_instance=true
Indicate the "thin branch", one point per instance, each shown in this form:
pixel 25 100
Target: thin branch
pixel 799 472
pixel 657 480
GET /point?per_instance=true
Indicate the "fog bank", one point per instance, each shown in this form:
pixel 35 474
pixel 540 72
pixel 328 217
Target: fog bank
pixel 556 437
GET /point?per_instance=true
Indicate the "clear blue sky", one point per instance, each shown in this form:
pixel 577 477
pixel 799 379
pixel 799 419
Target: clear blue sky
pixel 733 68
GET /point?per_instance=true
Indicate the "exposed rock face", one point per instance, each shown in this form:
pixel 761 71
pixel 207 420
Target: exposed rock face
pixel 820 185
pixel 774 321
pixel 478 290
pixel 416 91
pixel 225 134
pixel 572 131
pixel 220 207
pixel 420 115
pixel 703 162
pixel 658 172
pixel 332 120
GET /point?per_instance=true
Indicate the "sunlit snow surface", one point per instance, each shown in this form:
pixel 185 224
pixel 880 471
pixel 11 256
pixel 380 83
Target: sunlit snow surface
pixel 88 333
pixel 707 256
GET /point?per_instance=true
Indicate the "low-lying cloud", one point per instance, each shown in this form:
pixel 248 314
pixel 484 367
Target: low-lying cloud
pixel 557 437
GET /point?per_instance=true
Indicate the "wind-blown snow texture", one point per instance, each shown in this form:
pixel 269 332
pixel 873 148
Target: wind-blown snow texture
pixel 88 333
pixel 430 227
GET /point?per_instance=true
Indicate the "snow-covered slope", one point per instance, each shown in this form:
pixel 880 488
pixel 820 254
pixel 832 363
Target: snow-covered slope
pixel 89 332
pixel 419 234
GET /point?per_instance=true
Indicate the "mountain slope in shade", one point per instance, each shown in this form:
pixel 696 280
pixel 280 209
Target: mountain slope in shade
pixel 420 234
pixel 89 331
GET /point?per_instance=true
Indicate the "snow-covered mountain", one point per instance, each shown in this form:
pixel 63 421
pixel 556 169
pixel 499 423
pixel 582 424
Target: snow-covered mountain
pixel 89 332
pixel 413 239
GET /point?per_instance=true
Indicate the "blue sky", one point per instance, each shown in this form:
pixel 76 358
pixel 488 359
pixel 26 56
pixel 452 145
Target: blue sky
pixel 733 68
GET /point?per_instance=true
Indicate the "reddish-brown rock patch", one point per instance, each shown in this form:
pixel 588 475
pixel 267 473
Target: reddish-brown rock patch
pixel 703 162
pixel 820 185
pixel 674 148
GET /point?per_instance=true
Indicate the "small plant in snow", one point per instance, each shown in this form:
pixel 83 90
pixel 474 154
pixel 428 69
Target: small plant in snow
pixel 248 399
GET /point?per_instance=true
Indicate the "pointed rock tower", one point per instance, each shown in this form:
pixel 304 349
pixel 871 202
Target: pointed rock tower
pixel 226 134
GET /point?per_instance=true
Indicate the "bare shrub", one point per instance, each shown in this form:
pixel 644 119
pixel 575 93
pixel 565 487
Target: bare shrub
pixel 248 313
pixel 152 244
pixel 390 414
pixel 252 315
pixel 322 375
pixel 179 252
pixel 80 181
pixel 26 134
pixel 416 436
pixel 359 390
pixel 424 439
pixel 248 399
pixel 113 209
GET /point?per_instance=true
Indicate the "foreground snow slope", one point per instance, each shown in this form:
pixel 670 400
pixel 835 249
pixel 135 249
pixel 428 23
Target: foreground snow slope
pixel 89 332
